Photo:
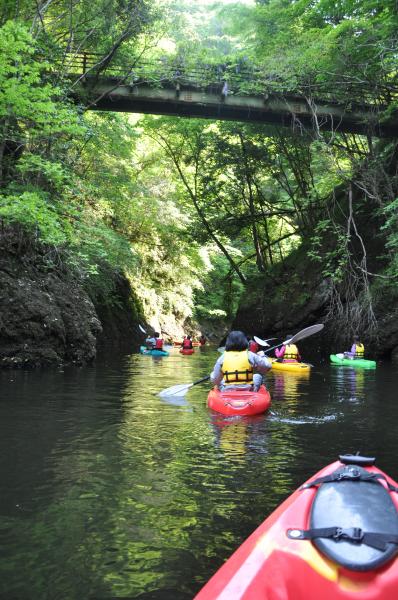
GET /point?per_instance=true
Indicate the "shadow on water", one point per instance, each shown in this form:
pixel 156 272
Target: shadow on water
pixel 112 492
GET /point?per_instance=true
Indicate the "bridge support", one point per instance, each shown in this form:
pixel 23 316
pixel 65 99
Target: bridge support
pixel 213 102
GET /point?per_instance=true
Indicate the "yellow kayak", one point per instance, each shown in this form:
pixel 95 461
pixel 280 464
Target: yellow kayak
pixel 292 367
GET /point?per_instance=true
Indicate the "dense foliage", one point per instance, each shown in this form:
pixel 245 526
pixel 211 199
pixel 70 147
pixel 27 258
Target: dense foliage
pixel 188 209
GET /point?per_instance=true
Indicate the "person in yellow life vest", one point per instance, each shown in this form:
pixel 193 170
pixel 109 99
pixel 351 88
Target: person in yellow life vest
pixel 357 349
pixel 237 367
pixel 288 353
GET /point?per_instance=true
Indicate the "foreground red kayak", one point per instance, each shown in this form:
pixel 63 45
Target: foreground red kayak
pixel 239 402
pixel 187 351
pixel 334 538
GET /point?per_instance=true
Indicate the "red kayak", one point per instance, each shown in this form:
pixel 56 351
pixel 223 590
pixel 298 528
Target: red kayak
pixel 335 538
pixel 187 351
pixel 239 402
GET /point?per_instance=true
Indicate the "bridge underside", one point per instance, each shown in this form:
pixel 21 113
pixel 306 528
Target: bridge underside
pixel 287 111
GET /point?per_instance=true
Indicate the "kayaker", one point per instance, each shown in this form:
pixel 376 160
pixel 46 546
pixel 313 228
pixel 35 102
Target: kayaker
pixel 253 346
pixel 237 367
pixel 150 342
pixel 357 349
pixel 202 340
pixel 288 353
pixel 158 341
pixel 187 343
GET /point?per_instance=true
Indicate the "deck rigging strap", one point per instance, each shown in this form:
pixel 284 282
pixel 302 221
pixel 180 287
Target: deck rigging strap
pixel 351 534
pixel 353 474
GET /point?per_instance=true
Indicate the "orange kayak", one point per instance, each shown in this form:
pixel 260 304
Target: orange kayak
pixel 239 402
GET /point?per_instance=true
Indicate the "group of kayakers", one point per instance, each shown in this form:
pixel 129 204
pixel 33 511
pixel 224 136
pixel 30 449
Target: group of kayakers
pixel 187 343
pixel 243 364
pixel 155 342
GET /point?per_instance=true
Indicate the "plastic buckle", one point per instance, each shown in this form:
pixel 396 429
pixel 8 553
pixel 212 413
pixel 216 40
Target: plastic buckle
pixel 349 474
pixel 354 534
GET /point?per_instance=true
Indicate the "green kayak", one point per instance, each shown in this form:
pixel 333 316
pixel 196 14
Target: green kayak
pixel 362 363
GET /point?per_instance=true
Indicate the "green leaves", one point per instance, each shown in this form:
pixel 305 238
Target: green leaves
pixel 41 219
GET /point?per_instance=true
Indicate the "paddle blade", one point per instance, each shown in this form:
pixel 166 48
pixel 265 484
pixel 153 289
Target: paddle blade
pixel 176 390
pixel 305 333
pixel 142 329
pixel 221 349
pixel 262 342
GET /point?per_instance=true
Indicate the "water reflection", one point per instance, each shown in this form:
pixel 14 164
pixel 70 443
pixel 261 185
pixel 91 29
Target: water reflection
pixel 352 382
pixel 289 385
pixel 110 491
pixel 232 434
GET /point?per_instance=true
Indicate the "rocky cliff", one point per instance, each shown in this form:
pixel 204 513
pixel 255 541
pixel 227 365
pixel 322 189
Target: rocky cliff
pixel 46 315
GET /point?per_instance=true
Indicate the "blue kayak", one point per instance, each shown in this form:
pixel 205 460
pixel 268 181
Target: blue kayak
pixel 144 350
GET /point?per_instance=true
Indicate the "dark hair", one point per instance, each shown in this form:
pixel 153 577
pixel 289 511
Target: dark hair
pixel 356 338
pixel 156 334
pixel 236 340
pixel 189 337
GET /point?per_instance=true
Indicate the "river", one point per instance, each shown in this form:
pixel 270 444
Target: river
pixel 109 491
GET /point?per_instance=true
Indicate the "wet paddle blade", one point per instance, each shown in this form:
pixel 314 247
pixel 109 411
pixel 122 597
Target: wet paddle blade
pixel 305 333
pixel 176 390
pixel 142 329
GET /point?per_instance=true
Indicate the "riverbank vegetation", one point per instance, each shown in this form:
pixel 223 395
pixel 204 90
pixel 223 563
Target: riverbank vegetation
pixel 190 210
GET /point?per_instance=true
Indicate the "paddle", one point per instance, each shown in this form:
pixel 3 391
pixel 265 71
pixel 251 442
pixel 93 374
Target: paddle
pixel 299 336
pixel 142 329
pixel 259 341
pixel 262 342
pixel 181 388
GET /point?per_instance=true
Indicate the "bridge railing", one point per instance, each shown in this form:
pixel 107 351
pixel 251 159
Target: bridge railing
pixel 241 78
pixel 237 77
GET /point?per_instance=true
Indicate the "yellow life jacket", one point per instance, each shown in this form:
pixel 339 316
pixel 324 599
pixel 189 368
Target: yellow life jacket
pixel 237 368
pixel 359 351
pixel 291 352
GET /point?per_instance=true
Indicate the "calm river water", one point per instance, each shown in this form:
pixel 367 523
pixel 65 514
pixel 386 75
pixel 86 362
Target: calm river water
pixel 109 491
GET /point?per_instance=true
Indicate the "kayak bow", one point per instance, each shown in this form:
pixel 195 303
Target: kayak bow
pixel 335 538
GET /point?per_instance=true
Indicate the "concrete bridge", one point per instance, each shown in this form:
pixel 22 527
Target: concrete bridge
pixel 225 92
